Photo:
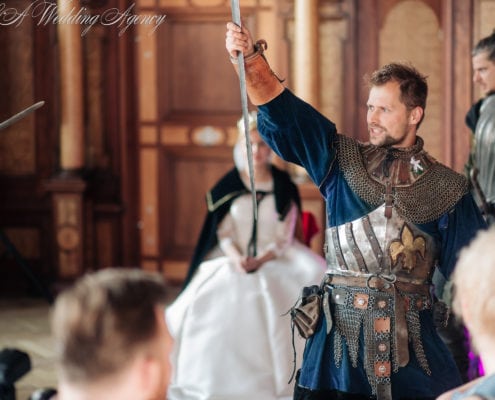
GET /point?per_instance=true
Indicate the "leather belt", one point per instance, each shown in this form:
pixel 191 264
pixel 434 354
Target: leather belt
pixel 378 282
pixel 378 291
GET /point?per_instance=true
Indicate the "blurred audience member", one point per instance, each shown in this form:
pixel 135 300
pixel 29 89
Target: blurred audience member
pixel 474 302
pixel 111 337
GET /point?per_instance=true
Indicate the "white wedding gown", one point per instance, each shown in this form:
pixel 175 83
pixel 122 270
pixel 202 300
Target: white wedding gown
pixel 232 334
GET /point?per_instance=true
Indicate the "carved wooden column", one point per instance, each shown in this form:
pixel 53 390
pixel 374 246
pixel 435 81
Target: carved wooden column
pixel 306 50
pixel 71 100
pixel 67 188
pixel 305 59
pixel 306 86
pixel 67 192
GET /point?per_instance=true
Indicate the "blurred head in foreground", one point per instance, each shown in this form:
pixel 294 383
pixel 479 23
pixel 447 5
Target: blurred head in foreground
pixel 474 299
pixel 111 337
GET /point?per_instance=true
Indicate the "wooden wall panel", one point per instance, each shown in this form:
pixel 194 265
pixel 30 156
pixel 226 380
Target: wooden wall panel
pixel 17 142
pixel 189 173
pixel 97 147
pixel 200 65
pixel 27 151
pixel 486 17
pixel 26 240
pixel 458 34
pixel 149 213
pixel 196 79
pixel 146 61
pixel 411 33
pixel 106 251
pixel 185 74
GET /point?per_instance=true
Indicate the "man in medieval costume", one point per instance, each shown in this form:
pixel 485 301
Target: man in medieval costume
pixel 394 213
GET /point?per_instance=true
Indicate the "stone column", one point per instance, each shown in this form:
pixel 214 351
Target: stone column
pixel 305 55
pixel 71 88
pixel 306 50
pixel 67 188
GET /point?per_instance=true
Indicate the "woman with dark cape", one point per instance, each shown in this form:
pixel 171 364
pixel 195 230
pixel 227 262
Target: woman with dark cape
pixel 232 339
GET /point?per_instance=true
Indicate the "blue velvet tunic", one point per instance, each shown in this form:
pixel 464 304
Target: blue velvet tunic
pixel 300 134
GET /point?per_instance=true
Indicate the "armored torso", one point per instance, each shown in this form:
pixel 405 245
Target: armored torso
pixel 408 187
pixel 379 266
pixel 408 179
pixel 377 245
pixel 484 148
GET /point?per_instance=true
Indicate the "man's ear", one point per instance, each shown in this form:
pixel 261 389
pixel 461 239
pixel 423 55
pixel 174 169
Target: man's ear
pixel 415 115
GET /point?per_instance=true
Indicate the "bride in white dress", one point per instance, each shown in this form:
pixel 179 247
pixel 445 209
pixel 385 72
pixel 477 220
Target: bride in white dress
pixel 232 335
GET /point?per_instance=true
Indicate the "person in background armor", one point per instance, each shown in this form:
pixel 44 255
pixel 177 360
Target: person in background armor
pixel 480 169
pixel 481 120
pixel 111 338
pixel 394 214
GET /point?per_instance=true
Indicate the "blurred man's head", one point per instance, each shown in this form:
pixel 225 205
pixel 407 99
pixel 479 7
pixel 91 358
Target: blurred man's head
pixel 484 64
pixel 110 333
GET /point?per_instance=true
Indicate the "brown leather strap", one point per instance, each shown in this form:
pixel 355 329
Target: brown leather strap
pixel 261 82
pixel 378 283
pixel 354 247
pixel 384 391
pixel 401 334
pixel 338 249
pixel 370 234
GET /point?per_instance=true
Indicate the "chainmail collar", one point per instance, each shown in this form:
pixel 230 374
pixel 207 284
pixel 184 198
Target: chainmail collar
pixel 399 166
pixel 422 189
pixel 401 152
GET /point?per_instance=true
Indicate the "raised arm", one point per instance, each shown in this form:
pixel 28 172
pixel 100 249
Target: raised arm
pixel 293 129
pixel 261 83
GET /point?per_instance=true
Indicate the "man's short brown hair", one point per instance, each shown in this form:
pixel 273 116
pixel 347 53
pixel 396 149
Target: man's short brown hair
pixel 101 322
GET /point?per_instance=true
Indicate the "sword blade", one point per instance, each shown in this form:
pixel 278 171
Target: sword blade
pixel 236 18
pixel 21 115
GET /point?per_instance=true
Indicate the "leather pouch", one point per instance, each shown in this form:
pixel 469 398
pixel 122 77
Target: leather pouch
pixel 306 313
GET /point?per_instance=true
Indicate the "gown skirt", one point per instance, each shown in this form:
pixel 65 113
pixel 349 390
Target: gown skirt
pixel 232 332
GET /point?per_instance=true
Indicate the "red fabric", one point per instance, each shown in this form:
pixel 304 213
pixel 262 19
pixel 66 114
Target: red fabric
pixel 309 226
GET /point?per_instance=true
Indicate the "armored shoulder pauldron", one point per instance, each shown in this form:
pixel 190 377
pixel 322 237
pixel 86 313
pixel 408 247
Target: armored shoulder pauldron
pixel 409 180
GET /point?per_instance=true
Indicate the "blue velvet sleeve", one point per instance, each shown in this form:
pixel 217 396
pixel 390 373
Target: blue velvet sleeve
pixel 298 133
pixel 457 228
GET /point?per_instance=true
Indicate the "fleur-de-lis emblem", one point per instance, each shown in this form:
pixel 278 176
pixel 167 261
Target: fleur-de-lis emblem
pixel 408 248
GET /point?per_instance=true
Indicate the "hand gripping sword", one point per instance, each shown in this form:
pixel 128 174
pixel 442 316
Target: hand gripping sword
pixel 236 18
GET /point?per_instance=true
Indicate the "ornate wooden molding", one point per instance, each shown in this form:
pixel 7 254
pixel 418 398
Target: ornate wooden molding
pixel 67 194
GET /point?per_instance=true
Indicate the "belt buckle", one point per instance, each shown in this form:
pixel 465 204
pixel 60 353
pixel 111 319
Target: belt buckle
pixel 383 281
